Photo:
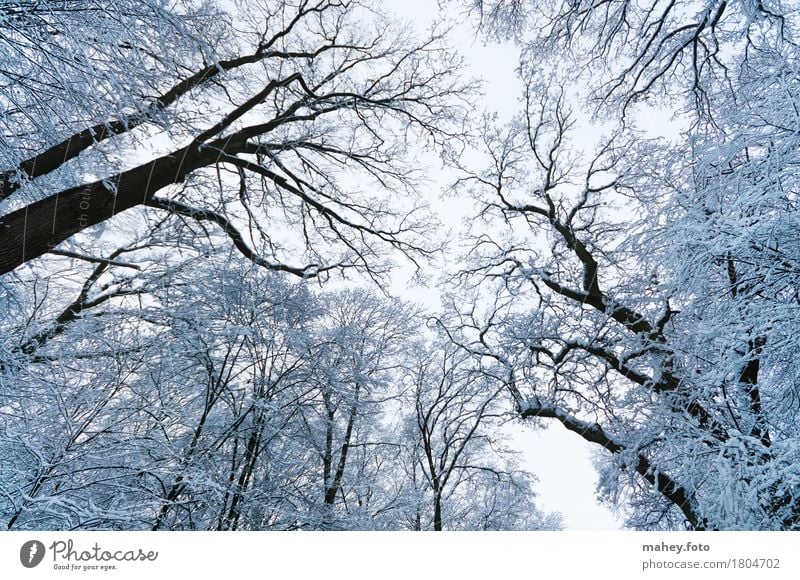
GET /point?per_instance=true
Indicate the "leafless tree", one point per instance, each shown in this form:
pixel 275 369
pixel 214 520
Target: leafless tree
pixel 282 132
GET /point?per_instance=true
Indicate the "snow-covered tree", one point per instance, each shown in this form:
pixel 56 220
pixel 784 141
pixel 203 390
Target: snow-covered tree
pixel 282 125
pixel 222 396
pixel 644 291
pixel 150 377
pixel 461 473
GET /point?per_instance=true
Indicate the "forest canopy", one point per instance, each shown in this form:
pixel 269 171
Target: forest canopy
pixel 203 205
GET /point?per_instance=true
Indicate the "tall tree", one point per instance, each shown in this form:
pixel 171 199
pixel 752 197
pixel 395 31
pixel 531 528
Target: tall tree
pixel 463 474
pixel 287 116
pixel 356 355
pixel 643 292
pixel 278 129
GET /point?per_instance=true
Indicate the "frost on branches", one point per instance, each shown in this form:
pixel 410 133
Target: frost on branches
pixel 644 290
pixel 278 124
pixel 173 177
pixel 181 181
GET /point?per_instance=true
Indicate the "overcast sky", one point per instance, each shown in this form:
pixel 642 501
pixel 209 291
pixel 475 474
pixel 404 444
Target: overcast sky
pixel 561 460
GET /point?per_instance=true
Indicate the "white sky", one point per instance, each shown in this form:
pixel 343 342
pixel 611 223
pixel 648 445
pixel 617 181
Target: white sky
pixel 561 460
